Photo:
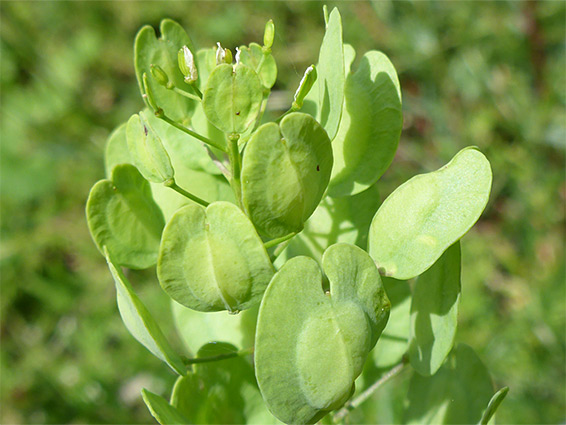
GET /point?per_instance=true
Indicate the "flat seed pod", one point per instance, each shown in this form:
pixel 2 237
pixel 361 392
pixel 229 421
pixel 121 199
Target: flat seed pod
pixel 150 50
pixel 428 213
pixel 232 97
pixel 147 151
pixel 285 171
pixel 370 127
pixel 212 259
pixel 252 56
pixel 139 321
pixel 434 312
pixel 122 216
pixel 161 410
pixel 311 345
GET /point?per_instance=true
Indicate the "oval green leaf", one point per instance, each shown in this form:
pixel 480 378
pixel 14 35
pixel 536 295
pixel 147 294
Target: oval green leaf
pixel 150 50
pixel 285 172
pixel 212 259
pixel 162 411
pixel 252 56
pixel 116 151
pixel 139 321
pixel 331 76
pixel 232 98
pixel 493 405
pixel 370 127
pixel 122 216
pixel 147 151
pixel 428 213
pixel 434 312
pixel 456 394
pixel 311 345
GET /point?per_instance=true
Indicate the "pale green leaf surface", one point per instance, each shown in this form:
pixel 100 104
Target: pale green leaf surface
pixel 116 151
pixel 252 56
pixel 285 172
pixel 212 259
pixel 139 321
pixel 370 127
pixel 148 50
pixel 161 410
pixel 456 394
pixel 122 216
pixel 197 328
pixel 493 405
pixel 434 312
pixel 428 213
pixel 331 75
pixel 232 97
pixel 303 333
pixel 147 151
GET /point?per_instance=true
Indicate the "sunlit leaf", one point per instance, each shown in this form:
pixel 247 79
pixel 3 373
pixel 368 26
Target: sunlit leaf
pixel 493 405
pixel 161 410
pixel 253 57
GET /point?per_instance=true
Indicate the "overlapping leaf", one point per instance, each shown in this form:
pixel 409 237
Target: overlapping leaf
pixel 162 411
pixel 262 63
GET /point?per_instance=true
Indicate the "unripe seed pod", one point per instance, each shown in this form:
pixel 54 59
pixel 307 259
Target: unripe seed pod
pixel 187 65
pixel 148 94
pixel 268 34
pixel 304 87
pixel 160 75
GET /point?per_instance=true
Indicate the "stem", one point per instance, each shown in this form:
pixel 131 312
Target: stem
pixel 291 109
pixel 186 94
pixel 241 353
pixel 161 115
pixel 171 183
pixel 197 91
pixel 235 162
pixel 394 371
pixel 277 241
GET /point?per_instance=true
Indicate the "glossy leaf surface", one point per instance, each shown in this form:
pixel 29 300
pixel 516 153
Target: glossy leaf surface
pixel 223 392
pixel 232 97
pixel 122 216
pixel 331 75
pixel 311 345
pixel 147 151
pixel 212 259
pixel 252 56
pixel 139 321
pixel 148 50
pixel 161 410
pixel 370 127
pixel 434 312
pixel 285 172
pixel 456 394
pixel 428 213
pixel 493 405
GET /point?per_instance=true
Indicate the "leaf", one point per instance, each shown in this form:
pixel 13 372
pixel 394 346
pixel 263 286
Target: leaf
pixel 434 312
pixel 456 394
pixel 285 172
pixel 252 56
pixel 122 216
pixel 493 405
pixel 311 345
pixel 232 98
pixel 161 410
pixel 116 151
pixel 394 340
pixel 222 392
pixel 147 151
pixel 139 321
pixel 334 220
pixel 428 213
pixel 212 259
pixel 197 328
pixel 331 75
pixel 370 127
pixel 148 50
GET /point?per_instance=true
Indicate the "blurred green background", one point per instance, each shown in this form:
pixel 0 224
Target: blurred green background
pixel 491 74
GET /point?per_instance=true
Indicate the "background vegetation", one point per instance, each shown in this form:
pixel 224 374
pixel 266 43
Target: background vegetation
pixel 490 74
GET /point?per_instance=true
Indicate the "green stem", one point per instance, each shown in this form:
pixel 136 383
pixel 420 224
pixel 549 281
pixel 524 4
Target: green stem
pixel 197 91
pixel 171 183
pixel 161 115
pixel 236 163
pixel 186 94
pixel 394 371
pixel 277 241
pixel 291 109
pixel 241 353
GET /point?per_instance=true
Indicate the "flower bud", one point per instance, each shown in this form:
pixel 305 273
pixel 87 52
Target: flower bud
pixel 187 64
pixel 304 87
pixel 160 75
pixel 268 34
pixel 223 55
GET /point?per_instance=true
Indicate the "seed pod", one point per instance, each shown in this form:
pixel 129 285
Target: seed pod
pixel 160 76
pixel 304 87
pixel 187 65
pixel 268 34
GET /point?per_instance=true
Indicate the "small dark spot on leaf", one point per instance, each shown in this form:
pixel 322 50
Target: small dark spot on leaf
pixel 145 130
pixel 238 113
pixel 318 168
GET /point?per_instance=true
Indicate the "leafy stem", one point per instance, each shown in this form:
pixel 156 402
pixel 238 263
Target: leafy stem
pixel 236 163
pixel 186 94
pixel 277 241
pixel 351 405
pixel 246 351
pixel 173 185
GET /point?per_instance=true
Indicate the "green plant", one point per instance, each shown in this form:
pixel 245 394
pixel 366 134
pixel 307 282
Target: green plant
pixel 258 232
